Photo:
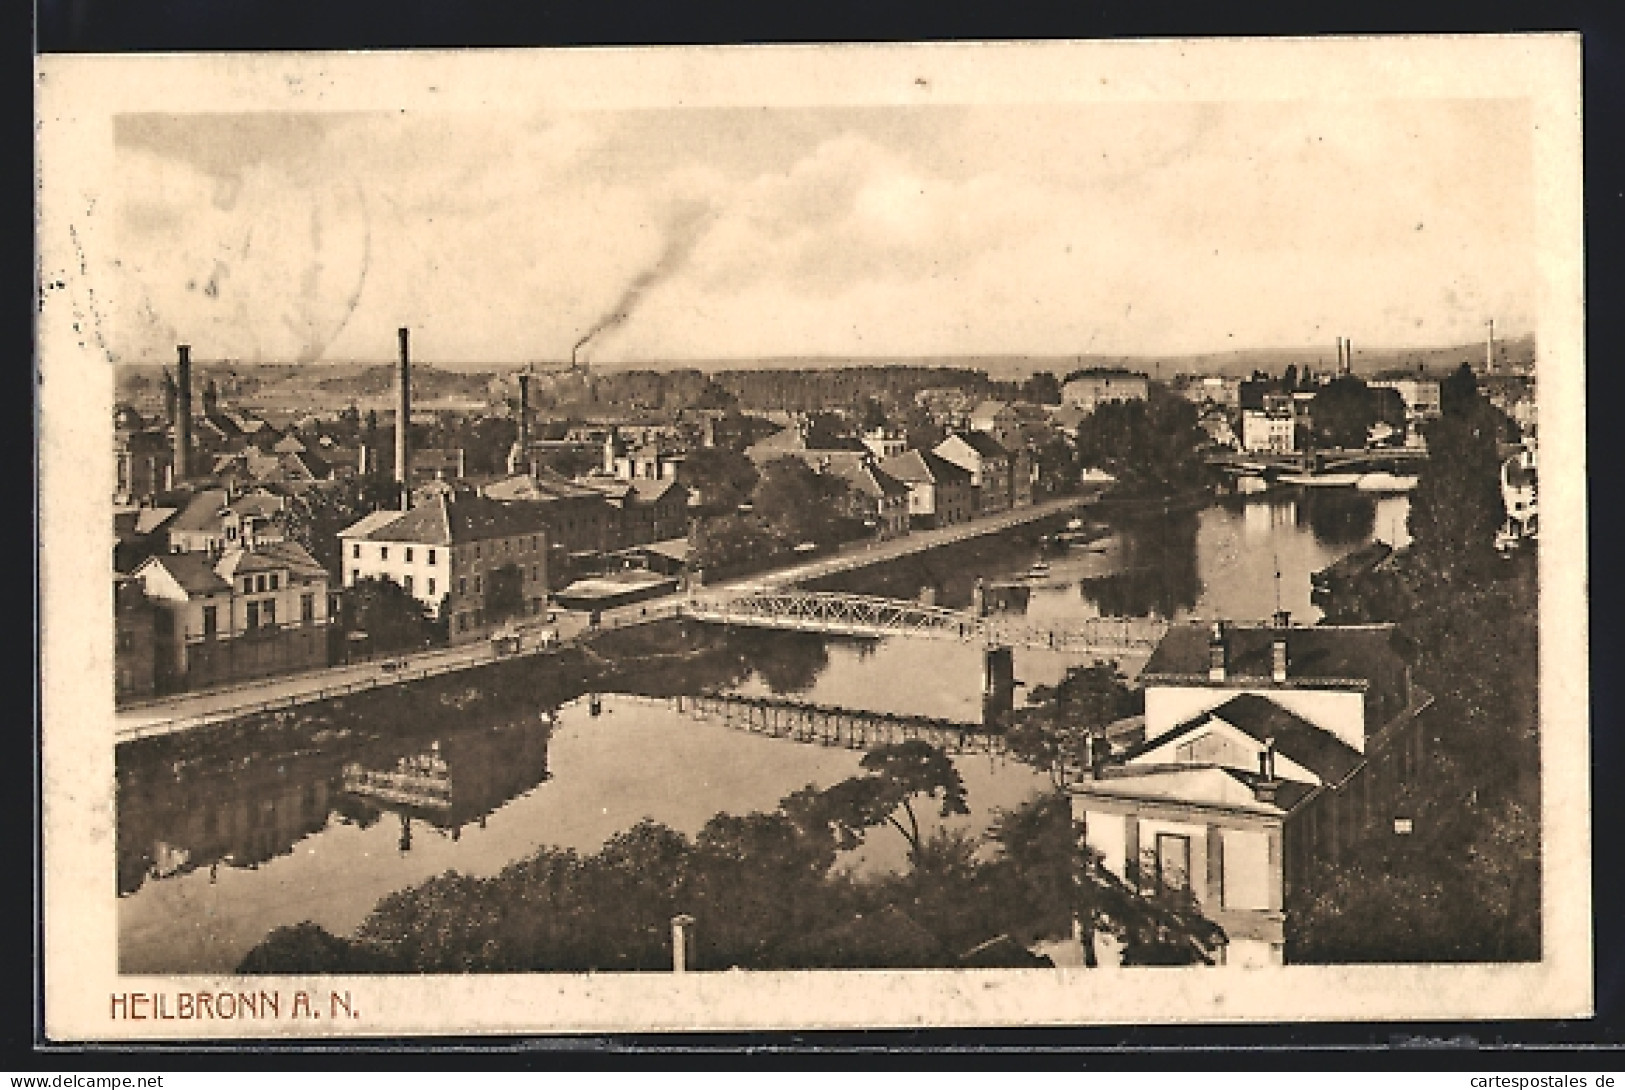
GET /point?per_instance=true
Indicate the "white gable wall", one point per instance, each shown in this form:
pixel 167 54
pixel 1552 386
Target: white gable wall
pixel 1223 744
pixel 1339 712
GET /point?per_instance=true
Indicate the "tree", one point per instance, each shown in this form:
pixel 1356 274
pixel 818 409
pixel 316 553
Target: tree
pixel 1059 729
pixel 921 429
pixel 1342 413
pixel 1456 506
pixel 314 517
pixel 896 775
pixel 725 543
pixel 1043 388
pixel 723 479
pixel 801 505
pixel 871 414
pixel 392 619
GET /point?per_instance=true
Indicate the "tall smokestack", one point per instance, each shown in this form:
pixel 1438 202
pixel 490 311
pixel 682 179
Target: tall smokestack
pixel 1340 355
pixel 183 412
pixel 524 415
pixel 1348 355
pixel 403 423
pixel 1489 350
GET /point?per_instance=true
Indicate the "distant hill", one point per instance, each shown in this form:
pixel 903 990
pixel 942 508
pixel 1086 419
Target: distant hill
pixel 329 384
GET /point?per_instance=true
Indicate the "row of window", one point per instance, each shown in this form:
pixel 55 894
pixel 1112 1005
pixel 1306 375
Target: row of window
pixel 534 541
pixel 258 614
pixel 259 584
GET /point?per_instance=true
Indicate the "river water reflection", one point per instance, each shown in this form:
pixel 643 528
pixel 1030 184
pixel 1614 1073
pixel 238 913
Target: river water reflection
pixel 215 851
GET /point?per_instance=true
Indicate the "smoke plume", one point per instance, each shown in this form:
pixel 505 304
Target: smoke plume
pixel 683 231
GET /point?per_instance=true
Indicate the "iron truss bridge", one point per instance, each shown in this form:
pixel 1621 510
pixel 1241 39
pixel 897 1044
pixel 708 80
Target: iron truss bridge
pixel 861 615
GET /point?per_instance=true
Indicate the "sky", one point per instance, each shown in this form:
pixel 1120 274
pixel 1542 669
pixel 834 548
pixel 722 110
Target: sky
pixel 694 234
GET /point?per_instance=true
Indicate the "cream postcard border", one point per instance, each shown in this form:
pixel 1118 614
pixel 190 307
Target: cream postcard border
pixel 76 99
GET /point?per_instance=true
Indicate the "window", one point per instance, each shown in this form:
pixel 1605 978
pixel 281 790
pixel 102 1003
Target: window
pixel 408 554
pixel 211 622
pixel 1173 861
pixel 273 580
pixel 462 622
pixel 431 558
pixel 248 584
pixel 259 584
pixel 307 608
pixel 231 533
pixel 355 576
pixel 431 587
pixel 408 584
pixel 268 612
pixel 355 552
pixel 383 552
pixel 462 586
pixel 476 552
pixel 253 621
pixel 478 585
pixel 1246 869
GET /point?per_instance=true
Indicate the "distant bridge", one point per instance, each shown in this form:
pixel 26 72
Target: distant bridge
pixel 1261 462
pixel 778 717
pixel 862 615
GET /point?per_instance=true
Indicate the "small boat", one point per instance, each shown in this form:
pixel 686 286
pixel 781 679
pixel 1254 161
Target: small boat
pixel 1039 570
pixel 1074 525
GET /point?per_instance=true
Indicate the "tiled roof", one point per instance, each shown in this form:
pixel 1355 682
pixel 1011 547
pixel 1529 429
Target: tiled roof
pixel 1297 739
pixel 1320 654
pixel 1203 785
pixel 202 511
pixel 366 524
pixel 445 521
pixel 650 491
pixel 193 571
pixel 924 465
pixel 979 441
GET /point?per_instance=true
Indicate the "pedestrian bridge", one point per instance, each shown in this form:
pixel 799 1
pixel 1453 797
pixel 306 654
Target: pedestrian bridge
pixel 862 615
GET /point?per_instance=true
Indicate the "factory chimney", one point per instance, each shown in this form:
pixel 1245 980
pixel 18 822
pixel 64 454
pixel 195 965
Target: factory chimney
pixel 1340 355
pixel 524 415
pixel 1348 355
pixel 183 412
pixel 403 424
pixel 1489 350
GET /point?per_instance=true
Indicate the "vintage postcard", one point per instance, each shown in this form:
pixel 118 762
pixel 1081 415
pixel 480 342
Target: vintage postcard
pixel 811 537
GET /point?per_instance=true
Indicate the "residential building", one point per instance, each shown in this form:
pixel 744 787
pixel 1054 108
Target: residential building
pixel 939 492
pixel 878 498
pixel 1266 748
pixel 988 464
pixel 466 557
pixel 235 613
pixel 885 442
pixel 1272 426
pixel 135 640
pixel 1519 481
pixel 1089 389
pixel 215 519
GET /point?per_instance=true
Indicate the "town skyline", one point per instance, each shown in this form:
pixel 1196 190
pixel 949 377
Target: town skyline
pixel 901 232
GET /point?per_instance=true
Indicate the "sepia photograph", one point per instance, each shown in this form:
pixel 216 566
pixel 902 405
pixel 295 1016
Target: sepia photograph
pixel 1024 534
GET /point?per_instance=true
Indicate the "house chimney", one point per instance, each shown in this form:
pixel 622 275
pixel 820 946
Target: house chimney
pixel 403 424
pixel 1266 786
pixel 183 412
pixel 1218 653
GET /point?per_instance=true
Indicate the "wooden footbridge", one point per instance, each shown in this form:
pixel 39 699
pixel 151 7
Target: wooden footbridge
pixel 778 717
pixel 862 615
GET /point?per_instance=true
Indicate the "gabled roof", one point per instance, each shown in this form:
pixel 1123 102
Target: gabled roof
pixel 259 504
pixel 366 524
pixel 272 556
pixel 920 466
pixel 194 572
pixel 444 520
pixel 652 491
pixel 1261 719
pixel 202 512
pixel 148 519
pixel 1201 785
pixel 979 441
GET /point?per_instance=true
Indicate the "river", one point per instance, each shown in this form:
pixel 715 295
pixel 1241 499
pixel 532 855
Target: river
pixel 216 850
